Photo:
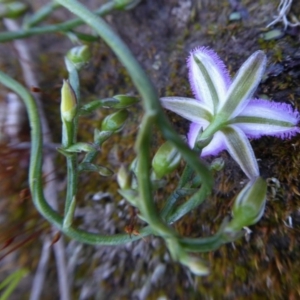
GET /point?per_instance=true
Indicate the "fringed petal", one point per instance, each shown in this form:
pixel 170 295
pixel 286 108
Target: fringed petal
pixel 262 117
pixel 240 150
pixel 208 77
pixel 187 108
pixel 244 85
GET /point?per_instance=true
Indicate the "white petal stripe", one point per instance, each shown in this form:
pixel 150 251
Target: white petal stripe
pixel 244 84
pixel 241 151
pixel 188 108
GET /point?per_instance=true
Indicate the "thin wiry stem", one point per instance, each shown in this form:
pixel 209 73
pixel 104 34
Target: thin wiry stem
pixel 50 189
pixel 61 27
pixel 153 115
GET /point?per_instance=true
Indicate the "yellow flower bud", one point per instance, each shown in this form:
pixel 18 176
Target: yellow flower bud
pixel 68 103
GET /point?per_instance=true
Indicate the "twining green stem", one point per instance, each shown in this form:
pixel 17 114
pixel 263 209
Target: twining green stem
pixel 90 156
pixel 67 133
pixel 150 100
pixel 62 27
pixel 36 179
pixel 210 243
pixel 153 115
pixel 146 204
pixel 187 206
pixel 8 285
pixel 40 15
pixel 176 195
pixel 172 200
pixel 72 182
pixel 72 177
pixel 186 176
pixel 69 138
pixel 202 244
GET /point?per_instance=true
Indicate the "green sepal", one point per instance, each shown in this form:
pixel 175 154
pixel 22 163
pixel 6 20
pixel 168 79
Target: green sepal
pixel 124 101
pixel 158 184
pixel 130 195
pixel 79 56
pixel 80 147
pixel 117 102
pixel 101 136
pixel 115 122
pixel 124 178
pixel 96 104
pixel 89 167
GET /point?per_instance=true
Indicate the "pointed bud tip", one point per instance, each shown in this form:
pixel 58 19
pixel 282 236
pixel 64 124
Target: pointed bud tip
pixel 124 178
pixel 68 102
pixel 249 205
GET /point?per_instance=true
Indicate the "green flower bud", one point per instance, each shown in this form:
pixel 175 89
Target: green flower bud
pixel 89 167
pixel 178 253
pixel 68 105
pixel 115 121
pixel 124 178
pixel 124 101
pixel 249 205
pixel 134 166
pixel 13 10
pixel 101 136
pixel 80 147
pixel 195 265
pixel 217 164
pixel 79 56
pixel 166 160
pixel 132 196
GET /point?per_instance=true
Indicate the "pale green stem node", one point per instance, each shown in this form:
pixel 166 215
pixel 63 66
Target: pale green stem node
pixel 124 178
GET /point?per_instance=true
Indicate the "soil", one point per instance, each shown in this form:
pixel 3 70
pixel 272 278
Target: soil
pixel 262 265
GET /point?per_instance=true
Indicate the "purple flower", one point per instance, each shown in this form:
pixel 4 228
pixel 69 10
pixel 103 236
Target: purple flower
pixel 225 112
